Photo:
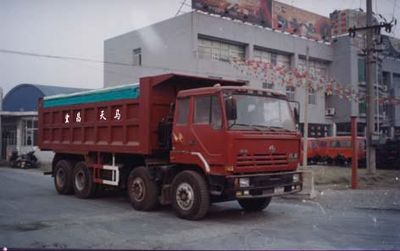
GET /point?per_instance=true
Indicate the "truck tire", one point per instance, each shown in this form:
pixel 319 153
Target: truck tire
pixel 142 190
pixel 83 182
pixel 63 177
pixel 190 196
pixel 254 205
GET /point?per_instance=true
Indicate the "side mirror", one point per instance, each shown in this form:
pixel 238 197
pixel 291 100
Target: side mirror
pixel 296 115
pixel 230 108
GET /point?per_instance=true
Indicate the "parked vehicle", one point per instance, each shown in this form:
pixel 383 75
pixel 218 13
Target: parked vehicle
pixel 23 161
pixel 339 150
pixel 335 150
pixel 387 155
pixel 313 151
pixel 174 139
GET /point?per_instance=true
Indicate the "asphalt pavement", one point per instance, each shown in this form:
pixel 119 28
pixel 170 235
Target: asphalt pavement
pixel 33 215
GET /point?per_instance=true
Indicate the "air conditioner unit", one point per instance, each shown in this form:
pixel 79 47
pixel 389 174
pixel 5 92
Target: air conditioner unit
pixel 330 111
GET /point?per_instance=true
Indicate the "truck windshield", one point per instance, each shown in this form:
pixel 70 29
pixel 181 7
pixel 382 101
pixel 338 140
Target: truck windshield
pixel 261 113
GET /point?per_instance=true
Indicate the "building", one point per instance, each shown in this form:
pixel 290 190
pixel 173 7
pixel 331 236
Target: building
pixel 18 116
pixel 351 70
pixel 203 44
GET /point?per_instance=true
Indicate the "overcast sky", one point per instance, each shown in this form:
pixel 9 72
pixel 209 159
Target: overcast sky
pixel 77 28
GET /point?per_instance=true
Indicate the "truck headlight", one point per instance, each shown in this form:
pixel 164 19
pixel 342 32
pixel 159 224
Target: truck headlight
pixel 244 182
pixel 296 177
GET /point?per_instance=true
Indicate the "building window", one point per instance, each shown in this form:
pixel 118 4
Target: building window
pixel 137 57
pixel 219 50
pixel 262 56
pixel 290 91
pixel 271 58
pixel 29 132
pixel 361 70
pixel 316 68
pixel 312 98
pixel 362 108
pixel 268 85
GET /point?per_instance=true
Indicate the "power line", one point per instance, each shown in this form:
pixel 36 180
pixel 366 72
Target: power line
pixel 31 54
pixel 183 3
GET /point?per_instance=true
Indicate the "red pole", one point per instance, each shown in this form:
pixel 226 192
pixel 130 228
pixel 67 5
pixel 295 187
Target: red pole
pixel 354 159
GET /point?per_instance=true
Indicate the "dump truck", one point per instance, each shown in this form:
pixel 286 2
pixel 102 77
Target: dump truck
pixel 174 139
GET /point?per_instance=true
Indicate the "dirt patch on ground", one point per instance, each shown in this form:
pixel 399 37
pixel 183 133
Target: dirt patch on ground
pixel 333 175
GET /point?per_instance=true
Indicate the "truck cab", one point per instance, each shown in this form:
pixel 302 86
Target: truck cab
pixel 245 140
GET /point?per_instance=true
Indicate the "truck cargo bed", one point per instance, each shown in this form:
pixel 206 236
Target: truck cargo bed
pixel 122 119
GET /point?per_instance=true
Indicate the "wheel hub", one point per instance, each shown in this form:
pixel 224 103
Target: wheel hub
pixel 138 189
pixel 80 180
pixel 185 196
pixel 60 177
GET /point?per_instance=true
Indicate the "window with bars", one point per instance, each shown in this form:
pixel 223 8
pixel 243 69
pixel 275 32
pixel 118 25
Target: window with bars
pixel 219 50
pixel 271 57
pixel 317 69
pixel 268 85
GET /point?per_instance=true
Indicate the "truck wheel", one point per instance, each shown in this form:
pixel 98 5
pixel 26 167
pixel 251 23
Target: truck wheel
pixel 142 190
pixel 63 177
pixel 190 197
pixel 83 183
pixel 254 205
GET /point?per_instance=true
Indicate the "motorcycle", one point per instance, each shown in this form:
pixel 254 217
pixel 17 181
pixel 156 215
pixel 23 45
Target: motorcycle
pixel 23 161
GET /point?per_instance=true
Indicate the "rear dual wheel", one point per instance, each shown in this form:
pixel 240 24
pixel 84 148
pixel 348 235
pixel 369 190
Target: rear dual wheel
pixel 83 182
pixel 143 191
pixel 63 177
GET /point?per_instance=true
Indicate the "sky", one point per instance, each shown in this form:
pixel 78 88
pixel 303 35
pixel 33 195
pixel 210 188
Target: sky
pixel 78 28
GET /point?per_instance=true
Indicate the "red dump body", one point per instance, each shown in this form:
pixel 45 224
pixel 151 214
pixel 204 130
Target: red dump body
pixel 134 132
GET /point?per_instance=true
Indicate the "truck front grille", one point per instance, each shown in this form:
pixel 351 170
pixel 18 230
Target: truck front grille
pixel 261 160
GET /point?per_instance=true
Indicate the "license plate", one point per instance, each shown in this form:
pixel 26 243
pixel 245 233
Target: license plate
pixel 279 190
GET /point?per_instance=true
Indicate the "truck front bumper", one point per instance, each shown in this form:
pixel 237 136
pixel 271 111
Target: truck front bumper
pixel 264 185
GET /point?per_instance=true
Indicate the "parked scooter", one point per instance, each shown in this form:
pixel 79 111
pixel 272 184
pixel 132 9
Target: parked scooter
pixel 23 161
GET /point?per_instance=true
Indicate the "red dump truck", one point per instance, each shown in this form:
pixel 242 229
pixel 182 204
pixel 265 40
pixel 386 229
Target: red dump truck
pixel 174 139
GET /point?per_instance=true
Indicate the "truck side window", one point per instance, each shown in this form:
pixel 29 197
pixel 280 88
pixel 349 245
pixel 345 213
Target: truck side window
pixel 216 113
pixel 183 111
pixel 208 111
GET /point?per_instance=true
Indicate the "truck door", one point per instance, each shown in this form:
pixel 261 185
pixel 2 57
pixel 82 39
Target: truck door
pixel 181 129
pixel 207 134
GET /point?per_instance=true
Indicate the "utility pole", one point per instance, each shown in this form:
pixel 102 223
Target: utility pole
pixel 371 75
pixel 305 127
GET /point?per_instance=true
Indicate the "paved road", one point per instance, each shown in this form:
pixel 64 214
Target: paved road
pixel 33 215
